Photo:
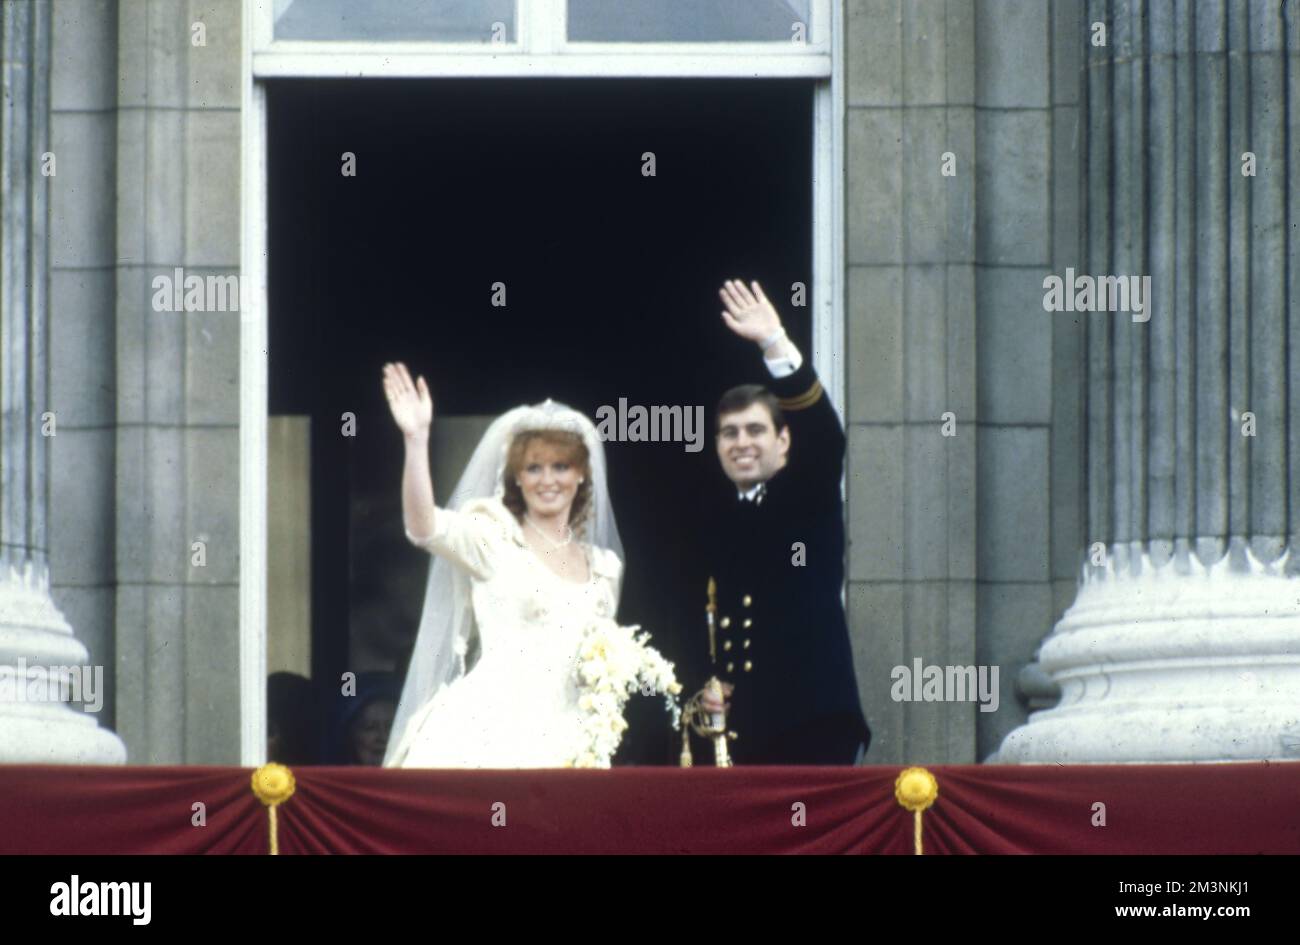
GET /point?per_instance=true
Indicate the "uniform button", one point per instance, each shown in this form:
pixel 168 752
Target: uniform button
pixel 731 667
pixel 748 665
pixel 748 600
pixel 746 644
pixel 726 644
pixel 748 623
pixel 725 623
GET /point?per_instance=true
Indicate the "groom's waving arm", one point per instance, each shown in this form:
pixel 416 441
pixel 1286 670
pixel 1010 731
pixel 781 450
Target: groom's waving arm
pixel 817 440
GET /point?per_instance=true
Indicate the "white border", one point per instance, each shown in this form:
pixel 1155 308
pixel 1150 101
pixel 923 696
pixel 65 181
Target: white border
pixel 828 221
pixel 541 52
pixel 252 413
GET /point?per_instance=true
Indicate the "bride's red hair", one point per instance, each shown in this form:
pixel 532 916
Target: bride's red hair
pixel 571 449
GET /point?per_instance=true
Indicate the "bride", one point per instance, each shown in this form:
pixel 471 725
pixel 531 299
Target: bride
pixel 518 659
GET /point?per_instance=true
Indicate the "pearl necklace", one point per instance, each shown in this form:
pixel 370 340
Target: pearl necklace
pixel 549 540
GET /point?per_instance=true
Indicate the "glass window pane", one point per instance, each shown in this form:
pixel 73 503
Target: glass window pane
pixel 686 21
pixel 448 21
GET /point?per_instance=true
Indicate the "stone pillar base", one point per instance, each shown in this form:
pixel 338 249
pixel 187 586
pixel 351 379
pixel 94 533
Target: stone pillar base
pixel 56 735
pixel 1172 663
pixel 37 655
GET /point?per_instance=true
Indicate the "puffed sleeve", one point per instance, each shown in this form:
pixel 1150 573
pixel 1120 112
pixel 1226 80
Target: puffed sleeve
pixel 609 566
pixel 471 538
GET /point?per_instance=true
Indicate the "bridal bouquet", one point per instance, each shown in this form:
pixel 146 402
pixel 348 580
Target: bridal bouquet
pixel 614 662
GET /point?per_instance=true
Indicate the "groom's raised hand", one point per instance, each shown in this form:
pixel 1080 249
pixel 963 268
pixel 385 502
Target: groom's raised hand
pixel 751 316
pixel 748 313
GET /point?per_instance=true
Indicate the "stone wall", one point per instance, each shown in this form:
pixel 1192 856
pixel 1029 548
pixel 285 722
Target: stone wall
pixel 146 127
pixel 961 547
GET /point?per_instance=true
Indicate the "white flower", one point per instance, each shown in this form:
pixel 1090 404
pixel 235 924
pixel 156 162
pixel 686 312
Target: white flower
pixel 613 662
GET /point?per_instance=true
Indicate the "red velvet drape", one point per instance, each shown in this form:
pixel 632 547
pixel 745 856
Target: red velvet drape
pixel 1231 808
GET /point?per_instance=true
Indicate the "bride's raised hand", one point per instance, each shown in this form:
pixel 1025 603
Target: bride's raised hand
pixel 410 403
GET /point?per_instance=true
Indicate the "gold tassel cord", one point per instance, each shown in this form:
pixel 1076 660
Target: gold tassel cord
pixel 916 789
pixel 273 784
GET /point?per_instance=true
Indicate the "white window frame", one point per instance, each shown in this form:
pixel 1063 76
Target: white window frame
pixel 541 50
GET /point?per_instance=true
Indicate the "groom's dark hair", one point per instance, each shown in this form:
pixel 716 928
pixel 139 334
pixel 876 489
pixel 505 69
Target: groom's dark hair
pixel 742 397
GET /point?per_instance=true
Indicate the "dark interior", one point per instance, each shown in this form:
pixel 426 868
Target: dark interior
pixel 611 281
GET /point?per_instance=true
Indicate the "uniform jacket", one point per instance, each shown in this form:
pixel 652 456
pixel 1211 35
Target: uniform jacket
pixel 781 636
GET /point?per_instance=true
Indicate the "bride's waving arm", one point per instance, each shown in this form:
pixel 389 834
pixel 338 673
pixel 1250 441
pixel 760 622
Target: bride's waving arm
pixel 412 409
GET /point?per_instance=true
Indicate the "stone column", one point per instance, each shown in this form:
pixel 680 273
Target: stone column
pixel 910 253
pixel 38 652
pixel 1183 643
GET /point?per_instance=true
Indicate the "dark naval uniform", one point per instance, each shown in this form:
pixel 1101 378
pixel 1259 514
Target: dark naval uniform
pixel 780 633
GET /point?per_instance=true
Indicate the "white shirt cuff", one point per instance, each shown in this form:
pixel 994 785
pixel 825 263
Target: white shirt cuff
pixel 784 367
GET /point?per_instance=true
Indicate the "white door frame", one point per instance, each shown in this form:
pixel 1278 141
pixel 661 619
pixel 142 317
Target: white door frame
pixel 540 52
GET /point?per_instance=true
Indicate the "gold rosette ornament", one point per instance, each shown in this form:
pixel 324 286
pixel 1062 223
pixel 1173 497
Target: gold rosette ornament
pixel 915 789
pixel 273 784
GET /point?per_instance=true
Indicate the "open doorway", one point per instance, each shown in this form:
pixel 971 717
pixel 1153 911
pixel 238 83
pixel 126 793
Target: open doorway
pixel 611 281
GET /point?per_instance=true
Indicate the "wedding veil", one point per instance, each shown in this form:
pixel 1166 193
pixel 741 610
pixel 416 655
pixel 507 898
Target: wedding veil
pixel 447 621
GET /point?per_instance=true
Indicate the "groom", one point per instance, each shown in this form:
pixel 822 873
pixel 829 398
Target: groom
pixel 774 547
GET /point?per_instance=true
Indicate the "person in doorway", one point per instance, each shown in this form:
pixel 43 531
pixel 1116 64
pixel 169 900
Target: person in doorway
pixel 774 540
pixel 521 599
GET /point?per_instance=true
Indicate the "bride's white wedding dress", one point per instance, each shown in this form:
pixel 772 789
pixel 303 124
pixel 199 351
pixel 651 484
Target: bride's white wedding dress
pixel 517 706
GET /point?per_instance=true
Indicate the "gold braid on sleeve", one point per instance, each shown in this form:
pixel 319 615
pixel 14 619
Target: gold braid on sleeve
pixel 802 401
